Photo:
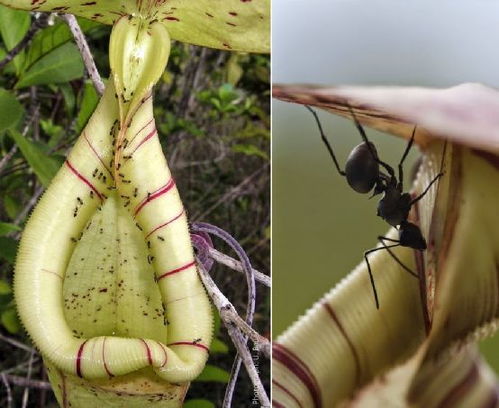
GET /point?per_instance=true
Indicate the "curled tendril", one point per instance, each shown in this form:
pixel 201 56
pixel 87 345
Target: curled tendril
pixel 209 229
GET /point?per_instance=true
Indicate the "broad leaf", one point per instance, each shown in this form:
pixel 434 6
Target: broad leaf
pixel 11 110
pixel 218 346
pixel 8 247
pixel 14 25
pixel 43 165
pixel 60 65
pixel 199 403
pixel 10 321
pixel 5 228
pixel 214 374
pixel 69 97
pixel 52 37
pixel 11 205
pixel 5 288
pixel 89 100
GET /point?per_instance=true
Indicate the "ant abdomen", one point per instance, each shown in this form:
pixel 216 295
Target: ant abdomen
pixel 410 236
pixel 362 168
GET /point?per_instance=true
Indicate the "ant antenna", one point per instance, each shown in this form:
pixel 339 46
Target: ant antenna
pixel 406 152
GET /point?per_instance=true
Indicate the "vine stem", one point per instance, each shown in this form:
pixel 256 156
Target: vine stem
pixel 88 59
pixel 227 314
pixel 205 228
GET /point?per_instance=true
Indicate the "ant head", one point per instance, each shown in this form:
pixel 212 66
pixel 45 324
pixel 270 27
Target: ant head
pixel 362 168
pixel 410 236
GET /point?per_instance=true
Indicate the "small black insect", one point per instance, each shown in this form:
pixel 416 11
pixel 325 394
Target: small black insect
pixel 365 172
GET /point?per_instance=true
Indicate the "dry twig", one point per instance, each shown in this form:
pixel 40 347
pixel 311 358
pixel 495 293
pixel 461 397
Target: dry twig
pixel 7 387
pixel 24 382
pixel 227 312
pixel 237 265
pixel 16 343
pixel 206 229
pixel 28 379
pixel 88 59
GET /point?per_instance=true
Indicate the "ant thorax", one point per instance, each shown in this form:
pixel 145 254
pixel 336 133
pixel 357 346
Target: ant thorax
pixel 394 206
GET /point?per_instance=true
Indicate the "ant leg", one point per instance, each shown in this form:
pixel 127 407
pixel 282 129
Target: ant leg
pixel 369 268
pixel 371 275
pixel 387 247
pixel 419 197
pixel 359 127
pixel 323 137
pixel 406 152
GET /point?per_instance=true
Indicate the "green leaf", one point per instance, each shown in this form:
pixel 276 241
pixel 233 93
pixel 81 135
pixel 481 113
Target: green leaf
pixel 55 132
pixel 11 110
pixel 43 165
pixel 198 403
pixel 52 37
pixel 60 65
pixel 5 228
pixel 218 346
pixel 89 102
pixel 214 374
pixel 5 288
pixel 69 97
pixel 11 206
pixel 14 24
pixel 11 321
pixel 249 150
pixel 8 248
pixel 226 93
pixel 234 71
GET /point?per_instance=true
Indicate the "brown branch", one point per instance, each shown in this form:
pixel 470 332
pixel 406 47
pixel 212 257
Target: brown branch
pixel 24 382
pixel 88 59
pixel 16 343
pixel 7 387
pixel 5 159
pixel 229 314
pixel 28 378
pixel 237 265
pixel 29 206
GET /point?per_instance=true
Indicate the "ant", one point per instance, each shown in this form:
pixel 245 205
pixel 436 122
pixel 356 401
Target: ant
pixel 363 174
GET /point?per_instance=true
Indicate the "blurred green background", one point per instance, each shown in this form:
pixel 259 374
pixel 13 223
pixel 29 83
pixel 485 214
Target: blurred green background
pixel 320 227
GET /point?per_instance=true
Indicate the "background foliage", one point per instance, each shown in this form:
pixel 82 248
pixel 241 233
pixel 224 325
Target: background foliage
pixel 212 114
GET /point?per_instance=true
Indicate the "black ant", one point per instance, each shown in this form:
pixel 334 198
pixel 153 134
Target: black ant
pixel 363 174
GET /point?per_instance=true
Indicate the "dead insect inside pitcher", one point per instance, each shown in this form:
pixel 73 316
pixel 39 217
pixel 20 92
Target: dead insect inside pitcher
pixel 366 172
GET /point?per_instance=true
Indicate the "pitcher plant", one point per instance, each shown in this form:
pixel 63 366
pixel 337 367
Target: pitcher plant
pixel 106 282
